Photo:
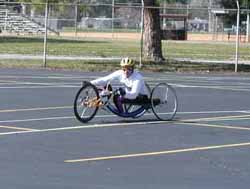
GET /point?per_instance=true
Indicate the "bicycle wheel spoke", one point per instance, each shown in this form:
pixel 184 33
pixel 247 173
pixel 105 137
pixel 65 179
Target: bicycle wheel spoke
pixel 164 102
pixel 85 105
pixel 83 111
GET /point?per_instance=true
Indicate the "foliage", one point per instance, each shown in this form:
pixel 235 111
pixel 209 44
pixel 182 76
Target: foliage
pixel 232 4
pixel 175 1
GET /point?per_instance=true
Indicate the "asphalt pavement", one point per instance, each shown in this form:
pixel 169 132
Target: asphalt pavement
pixel 42 145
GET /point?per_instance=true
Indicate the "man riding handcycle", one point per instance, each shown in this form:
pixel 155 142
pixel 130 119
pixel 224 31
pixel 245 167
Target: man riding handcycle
pixel 132 99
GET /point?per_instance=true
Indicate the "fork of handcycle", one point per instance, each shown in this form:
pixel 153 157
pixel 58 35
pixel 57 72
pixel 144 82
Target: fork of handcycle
pixel 162 100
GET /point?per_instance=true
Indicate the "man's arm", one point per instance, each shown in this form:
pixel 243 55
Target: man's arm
pixel 104 80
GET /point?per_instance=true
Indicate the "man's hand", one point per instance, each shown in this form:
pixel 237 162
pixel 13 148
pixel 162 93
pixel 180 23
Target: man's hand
pixel 121 91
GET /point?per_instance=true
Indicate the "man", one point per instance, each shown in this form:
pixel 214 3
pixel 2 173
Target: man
pixel 133 85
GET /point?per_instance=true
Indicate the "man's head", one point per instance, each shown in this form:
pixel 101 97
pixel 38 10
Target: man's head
pixel 127 65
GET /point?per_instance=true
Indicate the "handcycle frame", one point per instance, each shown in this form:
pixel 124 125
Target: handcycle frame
pixel 102 99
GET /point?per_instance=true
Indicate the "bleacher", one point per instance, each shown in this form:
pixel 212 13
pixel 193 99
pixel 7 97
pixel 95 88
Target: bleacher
pixel 2 14
pixel 13 22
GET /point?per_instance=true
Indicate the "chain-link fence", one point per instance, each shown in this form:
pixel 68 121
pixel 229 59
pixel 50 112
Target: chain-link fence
pixel 91 32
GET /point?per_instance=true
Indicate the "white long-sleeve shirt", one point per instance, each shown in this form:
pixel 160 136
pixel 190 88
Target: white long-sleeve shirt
pixel 134 84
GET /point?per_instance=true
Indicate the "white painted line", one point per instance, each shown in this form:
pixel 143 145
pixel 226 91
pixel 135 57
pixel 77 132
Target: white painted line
pixel 86 127
pixel 221 118
pixel 213 125
pixel 112 115
pixel 112 157
pixel 8 82
pixel 39 84
pixel 37 119
pixel 211 87
pixel 65 107
pixel 40 87
pixel 216 112
pixel 35 109
pixel 49 77
pixel 124 124
pixel 64 85
pixel 17 128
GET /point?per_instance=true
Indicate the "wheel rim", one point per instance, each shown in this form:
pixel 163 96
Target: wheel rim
pixel 84 106
pixel 164 102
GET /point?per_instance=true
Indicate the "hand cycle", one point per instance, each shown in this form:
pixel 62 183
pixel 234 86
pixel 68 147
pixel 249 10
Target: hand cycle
pixel 161 100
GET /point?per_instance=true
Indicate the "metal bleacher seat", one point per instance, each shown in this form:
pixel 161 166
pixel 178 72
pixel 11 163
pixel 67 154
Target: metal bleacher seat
pixel 14 22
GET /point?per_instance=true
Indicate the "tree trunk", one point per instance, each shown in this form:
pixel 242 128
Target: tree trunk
pixel 152 48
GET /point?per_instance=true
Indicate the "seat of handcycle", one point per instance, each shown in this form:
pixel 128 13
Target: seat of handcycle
pixel 142 100
pixel 139 100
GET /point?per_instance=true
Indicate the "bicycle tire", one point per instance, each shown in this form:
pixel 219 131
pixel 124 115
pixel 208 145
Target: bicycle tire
pixel 164 102
pixel 82 108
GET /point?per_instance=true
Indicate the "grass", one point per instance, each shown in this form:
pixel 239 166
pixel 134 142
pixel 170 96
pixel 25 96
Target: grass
pixel 115 48
pixel 60 64
pixel 206 51
pixel 168 66
pixel 121 30
pixel 70 47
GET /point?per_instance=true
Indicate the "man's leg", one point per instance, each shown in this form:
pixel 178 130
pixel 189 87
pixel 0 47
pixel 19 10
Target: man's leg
pixel 118 100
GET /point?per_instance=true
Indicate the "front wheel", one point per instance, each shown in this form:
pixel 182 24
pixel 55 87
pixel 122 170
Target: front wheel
pixel 86 102
pixel 164 102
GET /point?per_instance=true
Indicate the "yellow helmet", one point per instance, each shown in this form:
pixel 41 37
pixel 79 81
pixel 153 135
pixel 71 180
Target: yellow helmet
pixel 127 62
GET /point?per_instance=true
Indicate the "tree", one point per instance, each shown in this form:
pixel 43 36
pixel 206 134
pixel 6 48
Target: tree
pixel 152 47
pixel 38 5
pixel 231 4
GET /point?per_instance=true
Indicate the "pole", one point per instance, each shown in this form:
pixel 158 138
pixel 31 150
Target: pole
pixel 76 15
pixel 164 12
pixel 237 37
pixel 248 21
pixel 142 30
pixel 6 20
pixel 113 15
pixel 210 27
pixel 45 35
pixel 216 27
pixel 248 28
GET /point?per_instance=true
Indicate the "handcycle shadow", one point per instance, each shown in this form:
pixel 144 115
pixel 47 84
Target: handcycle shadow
pixel 144 120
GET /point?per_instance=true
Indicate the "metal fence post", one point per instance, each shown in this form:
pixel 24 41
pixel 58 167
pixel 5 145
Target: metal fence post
pixel 6 20
pixel 113 15
pixel 142 30
pixel 237 37
pixel 248 27
pixel 45 35
pixel 210 16
pixel 76 15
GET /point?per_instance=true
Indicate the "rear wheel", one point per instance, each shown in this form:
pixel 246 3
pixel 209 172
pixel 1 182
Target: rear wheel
pixel 164 102
pixel 86 102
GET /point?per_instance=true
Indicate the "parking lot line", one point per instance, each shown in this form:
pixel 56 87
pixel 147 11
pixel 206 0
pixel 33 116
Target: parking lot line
pixel 118 125
pixel 92 126
pixel 35 109
pixel 17 128
pixel 220 118
pixel 158 153
pixel 214 125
